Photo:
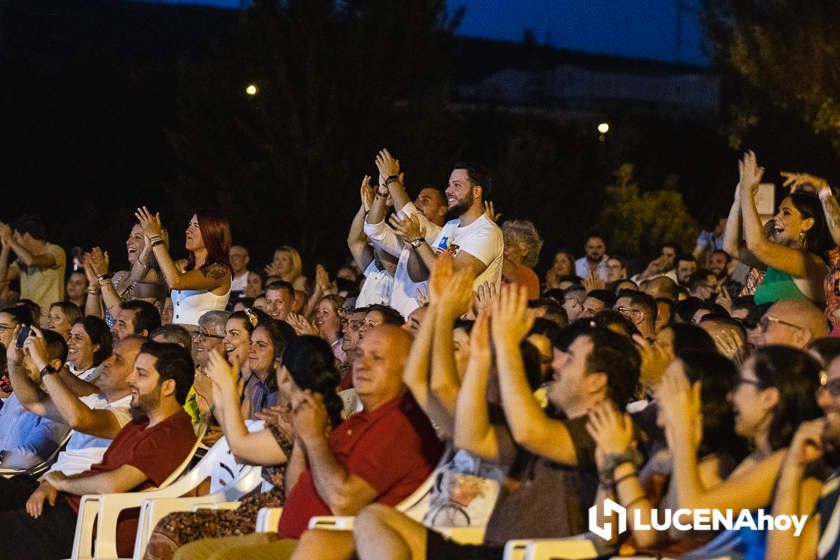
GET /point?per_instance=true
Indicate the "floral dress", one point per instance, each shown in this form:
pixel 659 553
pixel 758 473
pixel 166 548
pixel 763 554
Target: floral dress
pixel 180 528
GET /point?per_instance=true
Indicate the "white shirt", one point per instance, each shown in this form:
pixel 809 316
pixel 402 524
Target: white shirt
pixel 189 305
pixel 376 288
pixel 84 450
pixel 240 282
pixel 582 267
pixel 482 239
pixel 404 291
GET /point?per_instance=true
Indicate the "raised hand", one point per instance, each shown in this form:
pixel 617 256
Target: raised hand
pixel 679 402
pixel 799 180
pixel 301 325
pixel 89 273
pixel 219 371
pixel 272 269
pixel 750 174
pixel 655 360
pixel 485 296
pixel 149 223
pixel 458 294
pixel 5 233
pixel 807 444
pixel 36 346
pixel 480 349
pixel 409 227
pixel 322 279
pixel 593 282
pixel 490 211
pixel 387 165
pixel 99 261
pixel 439 276
pixel 511 317
pixel 366 193
pixel 611 430
pixel 311 418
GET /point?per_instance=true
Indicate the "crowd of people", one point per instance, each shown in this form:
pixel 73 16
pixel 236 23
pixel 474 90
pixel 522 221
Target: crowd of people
pixel 706 379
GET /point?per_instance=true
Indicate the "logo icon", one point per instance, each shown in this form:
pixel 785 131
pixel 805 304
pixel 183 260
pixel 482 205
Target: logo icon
pixel 610 508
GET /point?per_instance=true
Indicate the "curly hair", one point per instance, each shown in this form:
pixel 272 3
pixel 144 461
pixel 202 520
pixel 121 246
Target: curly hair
pixel 523 232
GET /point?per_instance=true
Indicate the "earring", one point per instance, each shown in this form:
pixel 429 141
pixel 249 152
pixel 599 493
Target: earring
pixel 802 239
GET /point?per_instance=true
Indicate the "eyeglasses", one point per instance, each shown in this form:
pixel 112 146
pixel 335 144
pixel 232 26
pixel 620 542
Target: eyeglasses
pixel 765 321
pixel 201 334
pixel 627 311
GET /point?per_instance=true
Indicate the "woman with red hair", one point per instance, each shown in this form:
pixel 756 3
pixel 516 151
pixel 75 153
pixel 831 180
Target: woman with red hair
pixel 201 282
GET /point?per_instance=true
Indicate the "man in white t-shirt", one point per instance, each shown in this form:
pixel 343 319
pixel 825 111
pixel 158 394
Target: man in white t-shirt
pixel 475 239
pixel 96 418
pixel 430 210
pixel 39 266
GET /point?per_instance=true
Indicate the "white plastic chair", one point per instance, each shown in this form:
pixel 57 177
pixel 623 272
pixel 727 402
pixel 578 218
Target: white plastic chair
pixel 578 547
pixel 102 510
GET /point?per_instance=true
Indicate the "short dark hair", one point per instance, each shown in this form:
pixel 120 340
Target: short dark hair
pixel 552 310
pixel 281 285
pixel 686 257
pixel 56 345
pixel 172 361
pixel 390 316
pixel 607 297
pixel 642 300
pixel 31 224
pixel 698 277
pixel 146 316
pixel 32 308
pixel 618 357
pixel 675 246
pixel 479 176
pixel 724 253
pixel 176 334
pixel 20 314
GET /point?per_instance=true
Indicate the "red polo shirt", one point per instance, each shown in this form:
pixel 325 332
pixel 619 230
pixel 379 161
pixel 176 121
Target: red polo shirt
pixel 394 449
pixel 157 451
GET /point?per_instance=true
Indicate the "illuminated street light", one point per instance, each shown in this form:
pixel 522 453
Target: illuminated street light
pixel 252 89
pixel 603 127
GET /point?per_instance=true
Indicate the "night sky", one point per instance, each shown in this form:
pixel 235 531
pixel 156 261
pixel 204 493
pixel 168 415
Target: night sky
pixel 632 28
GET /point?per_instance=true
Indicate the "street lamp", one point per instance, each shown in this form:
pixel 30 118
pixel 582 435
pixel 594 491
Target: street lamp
pixel 603 127
pixel 252 89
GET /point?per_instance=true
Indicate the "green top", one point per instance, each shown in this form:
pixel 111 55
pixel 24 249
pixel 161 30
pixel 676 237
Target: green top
pixel 776 286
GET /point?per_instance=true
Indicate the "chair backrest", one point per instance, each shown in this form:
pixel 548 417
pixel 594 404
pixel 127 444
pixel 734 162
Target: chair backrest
pixel 417 504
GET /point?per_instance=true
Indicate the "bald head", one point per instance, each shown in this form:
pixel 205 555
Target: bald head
pixel 378 365
pixel 661 287
pixel 793 323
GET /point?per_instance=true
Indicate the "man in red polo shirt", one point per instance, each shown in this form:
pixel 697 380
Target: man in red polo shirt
pixel 381 454
pixel 144 454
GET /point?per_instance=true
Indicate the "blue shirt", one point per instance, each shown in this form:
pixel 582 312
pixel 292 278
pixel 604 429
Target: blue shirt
pixel 27 439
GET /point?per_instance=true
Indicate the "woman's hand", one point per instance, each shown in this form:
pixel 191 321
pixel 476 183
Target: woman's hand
pixel 366 193
pixel 679 402
pixel 750 175
pixel 99 261
pixel 149 223
pixel 797 181
pixel 301 325
pixel 222 374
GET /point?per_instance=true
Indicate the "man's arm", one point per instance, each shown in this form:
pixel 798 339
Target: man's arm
pixel 75 413
pixel 44 260
pixel 528 423
pixel 357 241
pixel 122 479
pixel 30 396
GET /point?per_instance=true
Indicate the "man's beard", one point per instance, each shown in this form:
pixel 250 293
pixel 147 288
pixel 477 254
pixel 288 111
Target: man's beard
pixel 460 207
pixel 146 402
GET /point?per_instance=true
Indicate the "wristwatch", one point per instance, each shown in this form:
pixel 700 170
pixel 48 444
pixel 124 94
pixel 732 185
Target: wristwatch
pixel 392 179
pixel 416 242
pixel 48 369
